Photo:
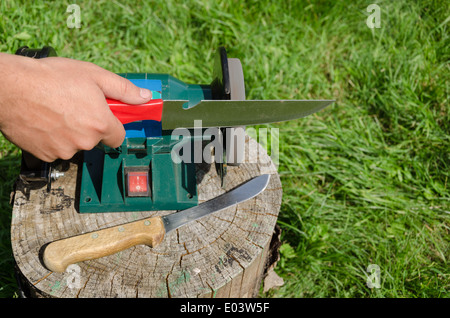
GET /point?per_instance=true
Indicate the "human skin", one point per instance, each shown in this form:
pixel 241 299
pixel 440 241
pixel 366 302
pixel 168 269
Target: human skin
pixel 55 107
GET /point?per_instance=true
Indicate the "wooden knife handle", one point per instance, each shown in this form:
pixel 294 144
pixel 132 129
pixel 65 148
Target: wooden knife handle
pixel 59 254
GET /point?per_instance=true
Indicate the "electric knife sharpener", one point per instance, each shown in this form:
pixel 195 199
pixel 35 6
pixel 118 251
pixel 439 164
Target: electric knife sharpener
pixel 141 175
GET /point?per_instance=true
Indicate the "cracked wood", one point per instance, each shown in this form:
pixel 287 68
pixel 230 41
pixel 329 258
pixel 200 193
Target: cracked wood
pixel 221 255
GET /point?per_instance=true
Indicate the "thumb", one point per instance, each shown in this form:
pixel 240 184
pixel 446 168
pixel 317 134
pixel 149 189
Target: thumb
pixel 119 88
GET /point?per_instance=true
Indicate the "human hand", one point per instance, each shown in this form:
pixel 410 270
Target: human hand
pixel 56 106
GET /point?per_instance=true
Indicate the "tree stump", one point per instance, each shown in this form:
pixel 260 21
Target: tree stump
pixel 221 255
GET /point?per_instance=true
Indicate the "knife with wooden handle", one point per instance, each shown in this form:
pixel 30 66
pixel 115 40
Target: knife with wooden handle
pixel 58 255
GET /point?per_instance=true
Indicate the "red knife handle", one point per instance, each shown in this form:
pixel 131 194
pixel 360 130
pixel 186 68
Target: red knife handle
pixel 127 113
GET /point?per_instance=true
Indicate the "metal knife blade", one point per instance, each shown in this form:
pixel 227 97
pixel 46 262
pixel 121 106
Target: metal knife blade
pixel 240 194
pixel 230 113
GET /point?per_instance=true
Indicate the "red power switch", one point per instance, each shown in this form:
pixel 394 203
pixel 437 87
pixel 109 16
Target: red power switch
pixel 137 184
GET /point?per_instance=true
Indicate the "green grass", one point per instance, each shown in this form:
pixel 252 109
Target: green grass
pixel 365 181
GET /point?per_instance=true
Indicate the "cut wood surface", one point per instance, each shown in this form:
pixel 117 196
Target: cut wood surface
pixel 220 255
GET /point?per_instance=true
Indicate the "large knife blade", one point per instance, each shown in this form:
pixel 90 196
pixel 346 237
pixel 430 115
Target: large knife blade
pixel 58 255
pixel 216 113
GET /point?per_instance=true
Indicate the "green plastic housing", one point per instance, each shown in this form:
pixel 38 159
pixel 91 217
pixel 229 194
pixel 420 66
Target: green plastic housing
pixel 103 188
pixel 172 185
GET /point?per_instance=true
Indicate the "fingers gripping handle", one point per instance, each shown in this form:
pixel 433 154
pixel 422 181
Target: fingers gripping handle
pixel 58 255
pixel 127 113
